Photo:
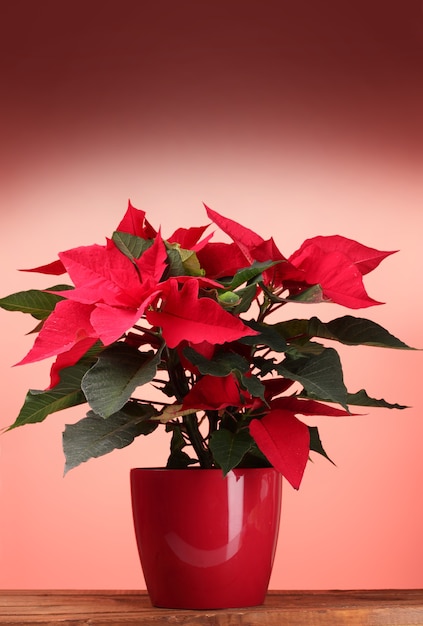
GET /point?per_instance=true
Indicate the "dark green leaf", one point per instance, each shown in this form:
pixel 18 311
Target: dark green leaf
pixel 177 442
pixel 316 444
pixel 179 460
pixel 221 365
pixel 265 365
pixel 92 353
pixel 247 274
pixel 294 331
pixel 306 348
pixel 255 458
pixel 355 331
pixel 269 336
pixel 176 267
pixel 246 295
pixel 36 328
pixel 131 245
pixel 67 393
pixel 320 375
pixel 94 436
pixel 362 399
pixel 37 303
pixel 253 385
pixel 120 369
pixel 229 448
pixel 313 295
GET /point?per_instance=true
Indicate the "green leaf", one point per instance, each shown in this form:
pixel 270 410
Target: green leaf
pixel 246 295
pixel 313 295
pixel 182 262
pixel 229 448
pixel 349 330
pixel 316 444
pixel 177 442
pixel 120 369
pixel 220 365
pixel 362 399
pixel 320 375
pixel 94 436
pixel 37 303
pixel 269 336
pixel 252 272
pixel 265 365
pixel 306 348
pixel 294 331
pixel 176 267
pixel 255 458
pixel 179 460
pixel 355 331
pixel 67 393
pixel 131 245
pixel 190 263
pixel 228 299
pixel 253 385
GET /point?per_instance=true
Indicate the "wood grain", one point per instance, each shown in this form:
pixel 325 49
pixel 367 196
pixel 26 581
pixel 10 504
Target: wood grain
pixel 294 608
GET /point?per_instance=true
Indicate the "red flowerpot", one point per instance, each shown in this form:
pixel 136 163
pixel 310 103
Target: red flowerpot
pixel 206 541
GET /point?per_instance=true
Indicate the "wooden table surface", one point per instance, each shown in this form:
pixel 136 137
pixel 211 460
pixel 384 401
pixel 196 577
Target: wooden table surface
pixel 399 607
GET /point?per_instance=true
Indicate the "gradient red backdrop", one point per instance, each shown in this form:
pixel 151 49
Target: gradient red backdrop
pixel 295 119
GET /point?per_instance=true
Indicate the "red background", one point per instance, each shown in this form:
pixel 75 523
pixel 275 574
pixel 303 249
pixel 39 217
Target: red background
pixel 294 118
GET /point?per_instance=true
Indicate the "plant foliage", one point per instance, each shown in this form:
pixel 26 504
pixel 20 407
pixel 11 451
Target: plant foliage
pixel 196 319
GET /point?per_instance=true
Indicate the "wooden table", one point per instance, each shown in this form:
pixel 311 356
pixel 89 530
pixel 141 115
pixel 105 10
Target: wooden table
pixel 129 608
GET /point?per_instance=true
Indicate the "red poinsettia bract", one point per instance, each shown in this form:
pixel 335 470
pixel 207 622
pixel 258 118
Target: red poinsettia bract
pixel 141 304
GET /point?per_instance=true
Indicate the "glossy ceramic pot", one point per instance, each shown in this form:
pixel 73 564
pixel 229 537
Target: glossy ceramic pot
pixel 206 541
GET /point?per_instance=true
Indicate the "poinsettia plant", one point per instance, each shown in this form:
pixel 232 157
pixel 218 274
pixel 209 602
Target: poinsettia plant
pixel 201 322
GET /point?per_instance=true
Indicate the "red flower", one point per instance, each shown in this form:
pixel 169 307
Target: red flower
pixel 108 298
pixel 188 238
pixel 170 314
pixel 250 247
pixel 285 441
pixel 134 223
pixel 215 393
pixel 66 326
pixel 337 264
pixel 183 315
pixel 221 259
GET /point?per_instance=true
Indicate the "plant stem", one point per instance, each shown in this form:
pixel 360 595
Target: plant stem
pixel 180 387
pixel 203 454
